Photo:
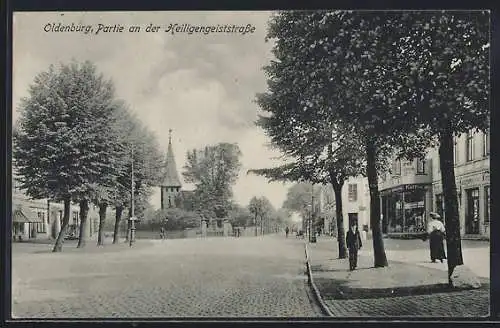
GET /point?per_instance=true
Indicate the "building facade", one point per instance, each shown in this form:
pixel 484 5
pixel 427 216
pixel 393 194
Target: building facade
pixel 413 189
pixel 42 218
pixel 406 196
pixel 355 206
pixel 472 178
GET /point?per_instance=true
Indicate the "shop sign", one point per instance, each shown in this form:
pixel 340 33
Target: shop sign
pixel 401 188
pixel 411 187
pixel 470 181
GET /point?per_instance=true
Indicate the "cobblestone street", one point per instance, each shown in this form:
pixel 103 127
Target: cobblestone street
pixel 409 287
pixel 252 277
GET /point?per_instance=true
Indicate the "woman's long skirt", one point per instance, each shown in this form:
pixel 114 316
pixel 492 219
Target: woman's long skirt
pixel 437 246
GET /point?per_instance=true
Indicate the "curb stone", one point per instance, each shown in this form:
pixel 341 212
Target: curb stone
pixel 324 308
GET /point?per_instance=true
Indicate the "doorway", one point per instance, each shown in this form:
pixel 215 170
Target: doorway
pixel 472 214
pixel 353 219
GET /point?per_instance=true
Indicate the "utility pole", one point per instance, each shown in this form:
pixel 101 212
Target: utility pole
pixel 132 217
pixel 311 239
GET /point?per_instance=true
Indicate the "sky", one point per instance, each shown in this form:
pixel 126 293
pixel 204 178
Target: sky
pixel 201 86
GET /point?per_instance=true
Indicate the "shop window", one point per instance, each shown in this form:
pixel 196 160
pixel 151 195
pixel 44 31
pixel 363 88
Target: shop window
pixel 396 219
pixel 487 204
pixel 486 143
pixel 414 209
pixel 470 146
pixel 472 213
pixel 420 166
pixel 353 192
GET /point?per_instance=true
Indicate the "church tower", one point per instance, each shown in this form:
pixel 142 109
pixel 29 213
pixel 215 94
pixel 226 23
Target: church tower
pixel 171 185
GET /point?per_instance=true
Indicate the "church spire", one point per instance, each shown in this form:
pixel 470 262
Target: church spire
pixel 171 177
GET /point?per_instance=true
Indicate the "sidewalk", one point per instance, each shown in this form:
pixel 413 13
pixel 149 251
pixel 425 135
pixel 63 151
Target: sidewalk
pixel 399 290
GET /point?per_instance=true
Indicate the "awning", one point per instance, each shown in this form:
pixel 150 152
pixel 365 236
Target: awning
pixel 25 216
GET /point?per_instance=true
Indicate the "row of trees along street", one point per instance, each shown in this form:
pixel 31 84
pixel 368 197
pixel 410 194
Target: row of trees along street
pixel 76 142
pixel 214 170
pixel 349 91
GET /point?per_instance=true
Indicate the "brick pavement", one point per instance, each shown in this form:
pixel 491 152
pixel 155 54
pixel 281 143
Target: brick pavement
pixel 400 290
pixel 246 277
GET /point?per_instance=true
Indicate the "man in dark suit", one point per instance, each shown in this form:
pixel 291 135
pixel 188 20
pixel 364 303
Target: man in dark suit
pixel 353 241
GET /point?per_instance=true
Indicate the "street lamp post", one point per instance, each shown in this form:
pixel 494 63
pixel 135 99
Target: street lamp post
pixel 132 216
pixel 312 239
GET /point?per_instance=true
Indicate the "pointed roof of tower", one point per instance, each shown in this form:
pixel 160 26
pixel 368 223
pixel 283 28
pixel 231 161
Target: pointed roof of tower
pixel 171 177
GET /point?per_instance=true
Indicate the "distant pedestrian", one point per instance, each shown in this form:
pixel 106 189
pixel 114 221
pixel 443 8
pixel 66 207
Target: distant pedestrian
pixel 287 230
pixel 436 232
pixel 162 233
pixel 353 241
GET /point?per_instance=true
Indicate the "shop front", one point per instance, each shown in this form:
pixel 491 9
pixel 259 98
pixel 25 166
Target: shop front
pixel 473 193
pixel 404 209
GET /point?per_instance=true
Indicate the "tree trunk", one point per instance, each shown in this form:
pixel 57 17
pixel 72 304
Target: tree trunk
pixel 263 226
pixel 255 224
pixel 84 210
pixel 337 189
pixel 129 225
pixel 380 259
pixel 64 227
pixel 452 221
pixel 118 217
pixel 102 220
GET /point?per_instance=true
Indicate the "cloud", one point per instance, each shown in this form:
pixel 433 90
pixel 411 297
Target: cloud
pixel 201 86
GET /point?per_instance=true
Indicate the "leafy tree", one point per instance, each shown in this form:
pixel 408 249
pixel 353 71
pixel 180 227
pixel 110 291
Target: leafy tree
pixel 240 216
pixel 140 150
pixel 63 144
pixel 261 208
pixel 340 68
pixel 213 170
pixel 325 162
pixel 446 65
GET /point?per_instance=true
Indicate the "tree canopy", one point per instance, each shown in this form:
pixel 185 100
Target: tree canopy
pixel 213 170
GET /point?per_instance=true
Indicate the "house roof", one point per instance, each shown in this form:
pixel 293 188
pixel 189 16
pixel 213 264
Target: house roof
pixel 171 176
pixel 25 216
